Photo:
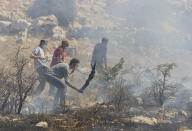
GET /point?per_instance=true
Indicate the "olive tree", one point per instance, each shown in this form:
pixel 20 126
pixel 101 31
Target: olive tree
pixel 160 86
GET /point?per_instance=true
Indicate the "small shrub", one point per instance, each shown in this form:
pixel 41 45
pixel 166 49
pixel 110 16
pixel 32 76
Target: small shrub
pixel 120 95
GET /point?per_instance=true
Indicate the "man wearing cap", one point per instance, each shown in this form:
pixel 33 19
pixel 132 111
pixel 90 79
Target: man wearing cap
pixel 99 53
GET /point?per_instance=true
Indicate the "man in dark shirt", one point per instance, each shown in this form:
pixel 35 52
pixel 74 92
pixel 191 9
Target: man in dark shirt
pixel 99 53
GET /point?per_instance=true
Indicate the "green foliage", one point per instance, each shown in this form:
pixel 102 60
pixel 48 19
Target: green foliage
pixel 111 72
pixel 159 87
pixel 165 69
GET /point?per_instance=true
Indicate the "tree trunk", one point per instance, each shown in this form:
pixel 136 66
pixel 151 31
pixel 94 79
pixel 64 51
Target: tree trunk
pixel 20 106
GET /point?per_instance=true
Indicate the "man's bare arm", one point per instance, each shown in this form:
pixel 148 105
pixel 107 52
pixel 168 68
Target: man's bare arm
pixel 73 87
pixel 33 56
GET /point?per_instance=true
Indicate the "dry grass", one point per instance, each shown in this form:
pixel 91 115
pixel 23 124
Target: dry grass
pixel 98 117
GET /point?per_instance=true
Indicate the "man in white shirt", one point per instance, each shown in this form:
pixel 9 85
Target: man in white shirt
pixel 40 64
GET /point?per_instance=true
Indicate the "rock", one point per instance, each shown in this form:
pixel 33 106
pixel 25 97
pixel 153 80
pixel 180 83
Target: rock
pixel 64 10
pixel 5 23
pixel 45 20
pixel 187 130
pixel 4 18
pixel 142 120
pixel 100 100
pixel 2 39
pixel 59 33
pixel 4 26
pixel 42 124
pixel 183 114
pixel 105 106
pixel 111 107
pixel 20 40
pixel 76 25
pixel 135 110
pixel 139 101
pixel 22 37
pixel 19 26
pixel 15 119
pixel 43 26
pixel 184 128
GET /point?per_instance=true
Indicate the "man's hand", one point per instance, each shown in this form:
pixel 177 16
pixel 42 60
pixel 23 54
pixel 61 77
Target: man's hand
pixel 42 58
pixel 80 91
pixel 46 58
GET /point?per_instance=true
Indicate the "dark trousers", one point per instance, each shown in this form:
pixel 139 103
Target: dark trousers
pixel 61 89
pixel 41 71
pixel 42 82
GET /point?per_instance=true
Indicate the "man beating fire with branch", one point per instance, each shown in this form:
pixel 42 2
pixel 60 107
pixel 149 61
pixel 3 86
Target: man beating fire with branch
pixel 63 70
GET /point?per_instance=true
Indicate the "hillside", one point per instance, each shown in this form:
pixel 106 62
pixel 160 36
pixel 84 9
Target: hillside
pixel 145 33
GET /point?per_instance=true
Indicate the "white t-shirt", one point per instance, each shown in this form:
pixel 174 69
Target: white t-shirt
pixel 38 51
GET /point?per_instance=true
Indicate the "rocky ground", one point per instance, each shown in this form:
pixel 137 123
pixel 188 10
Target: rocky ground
pixel 101 117
pixel 136 33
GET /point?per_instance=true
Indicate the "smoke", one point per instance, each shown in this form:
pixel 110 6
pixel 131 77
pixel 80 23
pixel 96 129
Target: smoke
pixel 145 32
pixel 153 32
pixel 64 10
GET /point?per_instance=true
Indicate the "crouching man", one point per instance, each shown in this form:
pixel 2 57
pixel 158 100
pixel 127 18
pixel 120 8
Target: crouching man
pixel 54 76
